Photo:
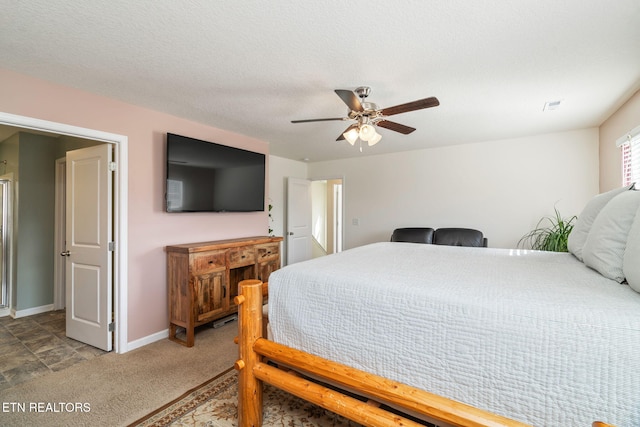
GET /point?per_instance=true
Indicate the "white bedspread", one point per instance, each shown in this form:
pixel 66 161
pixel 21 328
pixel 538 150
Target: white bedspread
pixel 534 336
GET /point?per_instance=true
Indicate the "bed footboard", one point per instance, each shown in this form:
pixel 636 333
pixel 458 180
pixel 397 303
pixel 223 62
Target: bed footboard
pixel 253 372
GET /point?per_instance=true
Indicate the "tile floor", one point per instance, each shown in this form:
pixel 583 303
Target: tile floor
pixel 35 345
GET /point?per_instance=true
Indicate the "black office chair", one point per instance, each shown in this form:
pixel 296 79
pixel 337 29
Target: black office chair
pixel 413 235
pixel 459 237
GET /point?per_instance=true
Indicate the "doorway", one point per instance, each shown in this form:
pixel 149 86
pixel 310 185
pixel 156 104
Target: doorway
pixel 314 218
pixel 83 232
pixel 327 216
pixel 119 142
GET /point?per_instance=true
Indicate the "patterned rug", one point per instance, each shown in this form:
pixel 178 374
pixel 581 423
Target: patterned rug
pixel 214 404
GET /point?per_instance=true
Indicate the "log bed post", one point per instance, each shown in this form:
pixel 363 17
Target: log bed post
pixel 249 301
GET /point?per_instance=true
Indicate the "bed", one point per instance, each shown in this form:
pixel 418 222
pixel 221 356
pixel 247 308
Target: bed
pixel 535 337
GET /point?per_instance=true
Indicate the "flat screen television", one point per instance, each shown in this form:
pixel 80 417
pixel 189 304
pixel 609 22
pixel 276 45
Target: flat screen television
pixel 207 177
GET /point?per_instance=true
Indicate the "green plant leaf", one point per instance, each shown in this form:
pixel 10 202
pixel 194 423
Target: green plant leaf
pixel 550 234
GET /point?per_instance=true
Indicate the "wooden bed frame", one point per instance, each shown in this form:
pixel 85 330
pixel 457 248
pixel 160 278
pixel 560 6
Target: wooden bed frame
pixel 306 376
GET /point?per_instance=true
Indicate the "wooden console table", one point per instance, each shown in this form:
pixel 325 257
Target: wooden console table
pixel 203 278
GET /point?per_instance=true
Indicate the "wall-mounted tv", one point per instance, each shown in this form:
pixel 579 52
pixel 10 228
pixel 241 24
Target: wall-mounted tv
pixel 207 177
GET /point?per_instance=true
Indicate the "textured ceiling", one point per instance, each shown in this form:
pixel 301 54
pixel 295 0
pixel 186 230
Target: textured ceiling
pixel 253 66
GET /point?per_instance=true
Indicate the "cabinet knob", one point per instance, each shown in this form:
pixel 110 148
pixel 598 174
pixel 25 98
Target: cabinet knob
pixel 290 233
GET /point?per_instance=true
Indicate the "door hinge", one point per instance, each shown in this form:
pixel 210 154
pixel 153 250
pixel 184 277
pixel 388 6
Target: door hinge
pixel 112 246
pixel 112 326
pixel 112 166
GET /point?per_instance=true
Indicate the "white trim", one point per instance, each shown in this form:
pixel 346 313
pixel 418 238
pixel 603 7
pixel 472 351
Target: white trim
pixel 158 336
pixel 7 242
pixel 628 136
pixel 5 312
pixel 59 235
pixel 16 314
pixel 120 207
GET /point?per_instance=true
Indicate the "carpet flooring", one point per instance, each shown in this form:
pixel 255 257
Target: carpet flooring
pixel 116 389
pixel 214 404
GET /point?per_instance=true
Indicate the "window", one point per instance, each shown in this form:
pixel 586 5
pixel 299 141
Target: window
pixel 630 145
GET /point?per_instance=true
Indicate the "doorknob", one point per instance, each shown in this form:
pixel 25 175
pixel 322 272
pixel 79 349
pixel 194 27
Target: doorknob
pixel 290 233
pixel 65 253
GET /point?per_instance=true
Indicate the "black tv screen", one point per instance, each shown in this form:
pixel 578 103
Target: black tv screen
pixel 207 177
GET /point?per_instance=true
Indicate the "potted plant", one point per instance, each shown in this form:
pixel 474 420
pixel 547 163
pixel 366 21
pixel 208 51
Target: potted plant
pixel 550 234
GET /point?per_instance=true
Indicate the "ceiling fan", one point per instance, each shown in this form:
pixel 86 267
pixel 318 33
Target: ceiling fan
pixel 368 115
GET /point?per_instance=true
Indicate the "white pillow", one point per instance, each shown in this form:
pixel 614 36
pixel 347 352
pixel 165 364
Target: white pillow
pixel 631 260
pixel 581 228
pixel 606 242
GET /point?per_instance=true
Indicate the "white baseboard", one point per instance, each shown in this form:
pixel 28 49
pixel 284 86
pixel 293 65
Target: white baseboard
pixel 5 312
pixel 31 311
pixel 147 340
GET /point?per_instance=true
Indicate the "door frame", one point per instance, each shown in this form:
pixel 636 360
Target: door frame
pixel 6 222
pixel 120 207
pixel 59 235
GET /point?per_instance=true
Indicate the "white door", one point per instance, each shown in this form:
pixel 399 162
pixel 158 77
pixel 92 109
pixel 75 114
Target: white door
pixel 298 220
pixel 88 258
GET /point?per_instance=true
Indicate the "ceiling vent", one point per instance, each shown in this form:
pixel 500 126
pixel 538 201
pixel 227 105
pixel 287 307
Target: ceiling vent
pixel 551 105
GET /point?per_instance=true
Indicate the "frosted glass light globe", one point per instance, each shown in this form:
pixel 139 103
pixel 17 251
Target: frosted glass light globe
pixel 375 139
pixel 367 132
pixel 351 135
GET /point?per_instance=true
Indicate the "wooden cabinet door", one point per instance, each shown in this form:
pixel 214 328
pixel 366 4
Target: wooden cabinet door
pixel 210 294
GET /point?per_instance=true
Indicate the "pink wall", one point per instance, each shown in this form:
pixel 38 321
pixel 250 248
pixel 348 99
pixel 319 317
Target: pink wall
pixel 150 229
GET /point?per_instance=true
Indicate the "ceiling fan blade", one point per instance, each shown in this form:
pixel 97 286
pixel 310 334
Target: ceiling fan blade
pixel 411 106
pixel 397 127
pixel 341 137
pixel 318 120
pixel 350 98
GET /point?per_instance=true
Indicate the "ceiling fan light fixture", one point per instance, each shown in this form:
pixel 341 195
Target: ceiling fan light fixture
pixel 351 135
pixel 366 132
pixel 368 116
pixel 374 139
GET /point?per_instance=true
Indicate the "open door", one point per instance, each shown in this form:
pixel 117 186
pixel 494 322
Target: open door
pixel 88 270
pixel 299 243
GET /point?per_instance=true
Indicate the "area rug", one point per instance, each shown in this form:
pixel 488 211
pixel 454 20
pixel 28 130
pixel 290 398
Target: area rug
pixel 214 404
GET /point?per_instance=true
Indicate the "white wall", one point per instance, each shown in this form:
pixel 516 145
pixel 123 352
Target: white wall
pixel 500 187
